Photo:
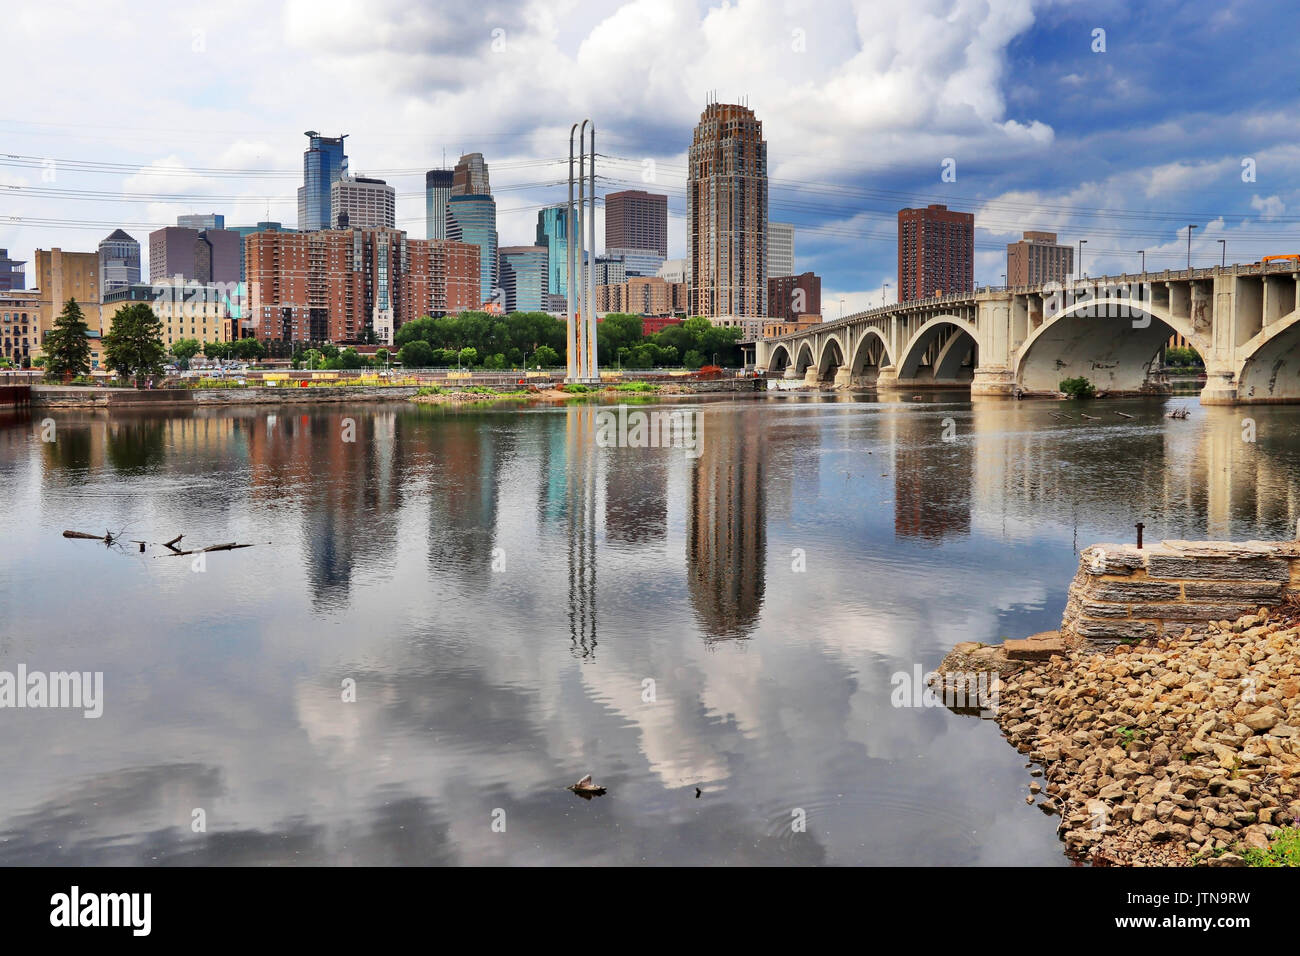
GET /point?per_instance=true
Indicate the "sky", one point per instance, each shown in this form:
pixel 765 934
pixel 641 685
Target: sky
pixel 1112 123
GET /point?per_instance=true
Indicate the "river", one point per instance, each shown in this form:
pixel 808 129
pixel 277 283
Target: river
pixel 512 605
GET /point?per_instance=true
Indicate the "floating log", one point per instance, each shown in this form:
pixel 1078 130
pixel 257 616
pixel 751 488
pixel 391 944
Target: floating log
pixel 212 547
pixel 173 542
pixel 105 537
pixel 1125 415
pixel 1091 418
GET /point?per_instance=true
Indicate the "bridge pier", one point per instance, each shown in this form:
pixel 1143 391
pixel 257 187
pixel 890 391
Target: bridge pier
pixel 844 377
pixel 790 373
pixel 1220 388
pixel 994 381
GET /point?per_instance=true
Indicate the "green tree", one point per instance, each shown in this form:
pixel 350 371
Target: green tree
pixel 217 350
pixel 247 350
pixel 186 349
pixel 415 354
pixel 1078 387
pixel 694 359
pixel 67 351
pixel 350 359
pixel 382 357
pixel 468 355
pixel 616 331
pixel 134 348
pixel 545 356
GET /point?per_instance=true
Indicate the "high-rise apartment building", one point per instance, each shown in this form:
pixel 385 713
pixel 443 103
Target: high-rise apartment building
pixel 204 256
pixel 642 295
pixel 789 297
pixel 119 262
pixel 473 219
pixel 936 252
pixel 344 285
pixel 207 220
pixel 636 219
pixel 726 213
pixel 608 270
pixel 322 163
pixel 780 249
pixel 553 233
pixel 437 190
pixel 470 177
pixel 246 231
pixel 524 278
pixel 1037 258
pixel 366 204
pixel 11 272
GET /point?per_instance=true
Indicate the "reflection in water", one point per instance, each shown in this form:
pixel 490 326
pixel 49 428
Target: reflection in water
pixel 726 553
pixel 374 561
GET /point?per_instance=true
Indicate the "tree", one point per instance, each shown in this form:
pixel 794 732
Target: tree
pixel 415 354
pixel 134 348
pixel 546 357
pixel 382 357
pixel 1078 387
pixel 350 358
pixel 693 359
pixel 186 349
pixel 468 356
pixel 67 350
pixel 247 350
pixel 216 350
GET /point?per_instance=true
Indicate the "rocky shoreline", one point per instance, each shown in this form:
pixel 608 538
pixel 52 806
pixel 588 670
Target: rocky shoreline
pixel 1177 751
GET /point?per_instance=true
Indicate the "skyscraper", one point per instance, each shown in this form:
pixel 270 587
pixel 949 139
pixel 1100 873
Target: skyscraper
pixel 367 203
pixel 11 272
pixel 1038 258
pixel 322 163
pixel 206 220
pixel 726 213
pixel 119 262
pixel 437 190
pixel 473 219
pixel 936 252
pixel 524 278
pixel 780 249
pixel 206 256
pixel 470 177
pixel 553 233
pixel 635 219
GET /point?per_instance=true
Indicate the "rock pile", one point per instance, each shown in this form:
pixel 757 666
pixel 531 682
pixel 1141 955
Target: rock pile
pixel 1177 751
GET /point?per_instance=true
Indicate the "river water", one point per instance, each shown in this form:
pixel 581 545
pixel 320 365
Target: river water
pixel 513 605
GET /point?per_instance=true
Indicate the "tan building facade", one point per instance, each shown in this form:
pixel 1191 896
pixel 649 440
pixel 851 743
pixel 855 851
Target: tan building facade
pixel 1037 259
pixel 642 295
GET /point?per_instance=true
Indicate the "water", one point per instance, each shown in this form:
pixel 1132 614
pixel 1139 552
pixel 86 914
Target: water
pixel 481 693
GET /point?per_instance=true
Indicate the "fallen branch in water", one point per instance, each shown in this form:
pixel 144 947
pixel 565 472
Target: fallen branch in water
pixel 212 547
pixel 1125 415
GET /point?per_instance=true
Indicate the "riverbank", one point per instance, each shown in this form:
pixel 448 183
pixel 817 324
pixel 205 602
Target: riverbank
pixel 1177 752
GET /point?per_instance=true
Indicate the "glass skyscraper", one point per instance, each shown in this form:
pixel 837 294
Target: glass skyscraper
pixel 322 163
pixel 437 190
pixel 553 233
pixel 524 278
pixel 473 219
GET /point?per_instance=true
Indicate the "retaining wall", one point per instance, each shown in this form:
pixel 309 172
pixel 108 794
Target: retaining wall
pixel 1121 593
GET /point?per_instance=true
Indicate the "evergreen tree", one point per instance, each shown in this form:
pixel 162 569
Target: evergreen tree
pixel 134 348
pixel 67 350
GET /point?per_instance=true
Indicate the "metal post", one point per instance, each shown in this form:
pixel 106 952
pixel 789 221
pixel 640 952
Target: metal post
pixel 593 365
pixel 570 327
pixel 583 305
pixel 1139 527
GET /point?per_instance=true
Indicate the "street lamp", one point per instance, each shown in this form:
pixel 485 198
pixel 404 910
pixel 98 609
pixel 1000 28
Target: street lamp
pixel 1189 247
pixel 884 294
pixel 841 307
pixel 1004 280
pixel 1223 249
pixel 1082 242
pixel 1143 254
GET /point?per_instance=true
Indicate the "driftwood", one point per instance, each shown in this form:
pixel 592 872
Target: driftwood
pixel 106 537
pixel 1091 418
pixel 212 547
pixel 1125 415
pixel 109 538
pixel 173 542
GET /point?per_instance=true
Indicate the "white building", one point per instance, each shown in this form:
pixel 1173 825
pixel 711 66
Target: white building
pixel 369 203
pixel 780 249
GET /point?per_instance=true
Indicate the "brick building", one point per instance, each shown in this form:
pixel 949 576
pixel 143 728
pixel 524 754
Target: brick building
pixel 789 297
pixel 936 252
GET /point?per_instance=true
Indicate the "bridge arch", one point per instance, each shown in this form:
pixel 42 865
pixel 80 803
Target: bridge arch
pixel 1114 349
pixel 1271 369
pixel 831 357
pixel 803 358
pixel 943 344
pixel 870 356
pixel 779 359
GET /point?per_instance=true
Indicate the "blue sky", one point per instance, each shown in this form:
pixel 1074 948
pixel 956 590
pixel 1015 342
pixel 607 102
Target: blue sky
pixel 861 104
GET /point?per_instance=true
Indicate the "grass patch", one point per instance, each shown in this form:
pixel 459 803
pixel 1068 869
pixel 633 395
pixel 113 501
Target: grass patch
pixel 636 387
pixel 1283 851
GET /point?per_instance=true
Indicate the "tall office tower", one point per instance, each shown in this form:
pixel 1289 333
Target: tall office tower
pixel 437 190
pixel 726 213
pixel 207 220
pixel 473 219
pixel 553 233
pixel 206 256
pixel 936 252
pixel 635 219
pixel 367 203
pixel 119 262
pixel 1037 258
pixel 780 249
pixel 636 262
pixel 524 278
pixel 470 177
pixel 11 272
pixel 322 163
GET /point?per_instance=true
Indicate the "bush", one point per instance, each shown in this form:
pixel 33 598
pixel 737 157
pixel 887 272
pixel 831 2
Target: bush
pixel 577 388
pixel 636 387
pixel 1283 851
pixel 1078 387
pixel 1182 356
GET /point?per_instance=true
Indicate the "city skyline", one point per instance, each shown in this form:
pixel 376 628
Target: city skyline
pixel 1040 127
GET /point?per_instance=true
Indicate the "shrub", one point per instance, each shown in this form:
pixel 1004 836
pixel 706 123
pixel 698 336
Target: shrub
pixel 1078 387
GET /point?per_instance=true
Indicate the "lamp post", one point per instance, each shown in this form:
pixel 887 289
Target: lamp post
pixel 1004 280
pixel 884 294
pixel 1223 249
pixel 1143 254
pixel 841 307
pixel 1082 242
pixel 1189 247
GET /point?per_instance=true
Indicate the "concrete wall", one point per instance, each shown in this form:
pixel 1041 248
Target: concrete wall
pixel 1121 593
pixel 62 397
